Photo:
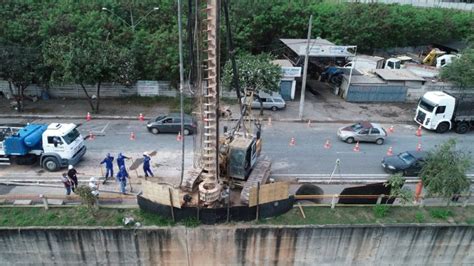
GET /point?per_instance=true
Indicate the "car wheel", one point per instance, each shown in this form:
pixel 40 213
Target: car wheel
pixel 155 130
pixel 350 140
pixel 51 164
pixel 443 127
pixel 274 108
pixel 186 132
pixel 462 128
pixel 379 141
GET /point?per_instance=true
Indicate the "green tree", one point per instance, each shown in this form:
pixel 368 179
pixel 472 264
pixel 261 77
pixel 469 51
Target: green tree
pixel 256 73
pixel 18 66
pixel 444 172
pixel 461 70
pixel 396 182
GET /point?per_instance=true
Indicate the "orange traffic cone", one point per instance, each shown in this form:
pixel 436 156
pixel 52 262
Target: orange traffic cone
pixel 141 117
pixel 418 132
pixel 418 147
pixel 269 121
pixel 327 145
pixel 356 147
pixel 418 191
pixel 309 122
pixel 88 116
pixel 132 136
pixel 179 137
pixel 292 142
pixel 390 151
pixel 391 129
pixel 91 136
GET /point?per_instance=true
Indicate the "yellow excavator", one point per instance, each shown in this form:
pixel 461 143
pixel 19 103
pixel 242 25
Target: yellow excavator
pixel 430 59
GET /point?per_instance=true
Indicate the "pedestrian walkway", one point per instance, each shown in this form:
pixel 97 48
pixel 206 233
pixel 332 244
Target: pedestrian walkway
pixel 321 105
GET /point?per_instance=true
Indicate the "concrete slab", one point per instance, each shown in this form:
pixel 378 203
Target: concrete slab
pixel 22 202
pixel 55 202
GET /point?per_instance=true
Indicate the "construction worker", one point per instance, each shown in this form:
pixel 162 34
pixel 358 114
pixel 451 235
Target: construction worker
pixel 121 161
pixel 122 176
pixel 109 166
pixel 72 175
pixel 94 186
pixel 146 164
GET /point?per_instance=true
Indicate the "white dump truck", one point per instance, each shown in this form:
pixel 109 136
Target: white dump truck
pixel 55 145
pixel 442 111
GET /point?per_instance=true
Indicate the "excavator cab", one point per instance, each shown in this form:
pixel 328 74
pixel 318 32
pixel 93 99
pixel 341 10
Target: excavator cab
pixel 242 157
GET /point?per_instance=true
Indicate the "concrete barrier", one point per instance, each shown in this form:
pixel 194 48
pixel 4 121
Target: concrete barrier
pixel 239 245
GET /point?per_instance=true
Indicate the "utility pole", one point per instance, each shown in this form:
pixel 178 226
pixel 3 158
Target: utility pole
pixel 305 70
pixel 181 96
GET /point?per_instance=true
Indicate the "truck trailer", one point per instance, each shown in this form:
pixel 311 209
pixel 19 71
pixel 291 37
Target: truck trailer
pixel 55 145
pixel 442 111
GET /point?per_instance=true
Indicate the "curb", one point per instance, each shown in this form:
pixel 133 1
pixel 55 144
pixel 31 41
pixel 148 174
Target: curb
pixel 107 117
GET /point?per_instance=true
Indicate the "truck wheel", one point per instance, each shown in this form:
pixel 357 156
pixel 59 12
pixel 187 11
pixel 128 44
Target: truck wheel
pixel 462 128
pixel 442 128
pixel 51 164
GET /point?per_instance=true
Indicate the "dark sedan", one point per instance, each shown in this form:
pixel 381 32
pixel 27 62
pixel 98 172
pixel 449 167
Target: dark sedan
pixel 171 123
pixel 407 163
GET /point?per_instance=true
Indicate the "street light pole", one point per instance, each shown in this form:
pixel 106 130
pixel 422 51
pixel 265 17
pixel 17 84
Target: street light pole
pixel 305 70
pixel 181 96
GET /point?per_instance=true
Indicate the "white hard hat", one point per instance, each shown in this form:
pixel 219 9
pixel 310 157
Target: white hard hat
pixel 145 153
pixel 70 167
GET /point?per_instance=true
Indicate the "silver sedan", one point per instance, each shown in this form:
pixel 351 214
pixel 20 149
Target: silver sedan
pixel 363 132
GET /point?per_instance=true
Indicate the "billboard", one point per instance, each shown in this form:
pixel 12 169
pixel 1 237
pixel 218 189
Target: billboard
pixel 328 51
pixel 291 72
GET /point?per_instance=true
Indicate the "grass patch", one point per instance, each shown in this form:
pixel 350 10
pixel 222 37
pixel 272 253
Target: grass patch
pixel 173 103
pixel 419 217
pixel 441 213
pixel 82 216
pixel 380 211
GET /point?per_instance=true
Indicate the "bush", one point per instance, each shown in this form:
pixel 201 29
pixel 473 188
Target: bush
pixel 380 211
pixel 419 217
pixel 441 213
pixel 87 198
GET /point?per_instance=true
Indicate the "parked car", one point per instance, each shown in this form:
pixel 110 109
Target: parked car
pixel 407 163
pixel 274 103
pixel 171 123
pixel 363 132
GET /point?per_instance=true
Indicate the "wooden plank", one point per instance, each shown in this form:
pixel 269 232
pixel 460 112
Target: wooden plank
pixel 268 193
pixel 160 193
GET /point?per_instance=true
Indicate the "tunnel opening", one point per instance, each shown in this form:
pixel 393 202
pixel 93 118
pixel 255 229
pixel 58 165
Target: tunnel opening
pixel 308 189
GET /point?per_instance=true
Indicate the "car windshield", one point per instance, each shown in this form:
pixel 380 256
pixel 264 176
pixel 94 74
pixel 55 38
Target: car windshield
pixel 356 127
pixel 427 105
pixel 160 118
pixel 407 158
pixel 71 136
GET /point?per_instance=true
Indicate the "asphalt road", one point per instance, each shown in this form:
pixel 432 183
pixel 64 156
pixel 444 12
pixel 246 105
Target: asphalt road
pixel 308 156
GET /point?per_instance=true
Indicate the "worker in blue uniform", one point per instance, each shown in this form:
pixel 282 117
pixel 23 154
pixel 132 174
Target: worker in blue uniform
pixel 122 176
pixel 121 161
pixel 109 166
pixel 146 164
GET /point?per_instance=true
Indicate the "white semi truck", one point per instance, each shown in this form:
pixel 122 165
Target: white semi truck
pixel 55 145
pixel 442 111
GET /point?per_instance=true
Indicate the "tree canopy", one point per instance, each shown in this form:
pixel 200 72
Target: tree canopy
pixel 461 70
pixel 256 73
pixel 444 172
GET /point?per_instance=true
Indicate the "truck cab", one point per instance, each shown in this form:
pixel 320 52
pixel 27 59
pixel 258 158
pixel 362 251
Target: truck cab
pixel 435 111
pixel 62 145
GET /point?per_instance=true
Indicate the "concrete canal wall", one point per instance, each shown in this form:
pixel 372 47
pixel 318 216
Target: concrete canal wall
pixel 239 245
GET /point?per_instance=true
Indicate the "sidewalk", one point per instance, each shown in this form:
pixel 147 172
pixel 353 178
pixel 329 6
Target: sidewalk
pixel 320 106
